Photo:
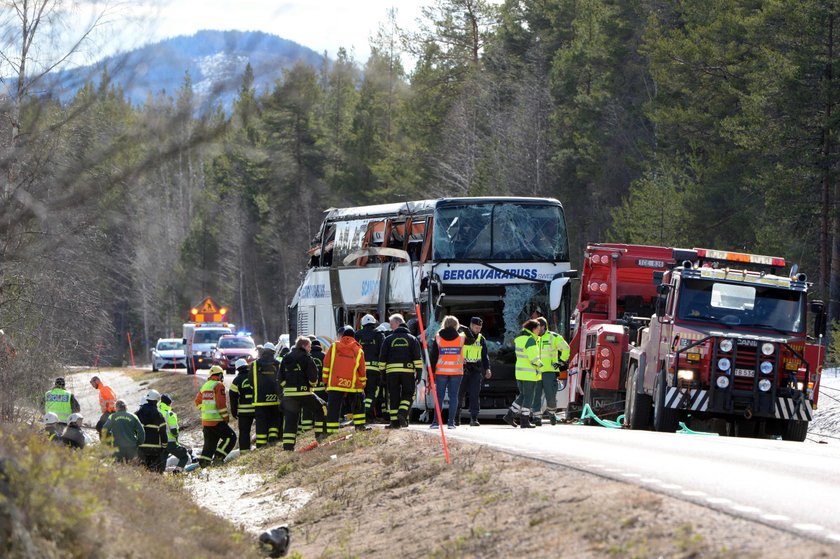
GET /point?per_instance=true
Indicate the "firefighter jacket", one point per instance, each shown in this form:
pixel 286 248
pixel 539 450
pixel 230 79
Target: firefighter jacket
pixel 476 358
pixel 61 403
pixel 73 437
pixel 448 353
pixel 371 341
pixel 264 380
pixel 528 364
pixel 211 402
pixel 401 353
pixel 317 355
pixel 344 366
pixel 154 424
pixel 553 348
pixel 107 399
pixel 171 419
pixel 242 393
pixel 124 430
pixel 298 374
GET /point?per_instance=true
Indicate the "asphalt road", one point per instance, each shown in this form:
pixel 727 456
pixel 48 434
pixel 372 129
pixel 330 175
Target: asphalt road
pixel 787 485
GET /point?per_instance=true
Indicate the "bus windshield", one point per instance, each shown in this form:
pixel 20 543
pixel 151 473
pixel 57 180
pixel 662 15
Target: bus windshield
pixel 753 305
pixel 500 231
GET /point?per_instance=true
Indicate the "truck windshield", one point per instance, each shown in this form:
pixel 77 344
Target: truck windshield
pixel 753 305
pixel 500 231
pixel 208 336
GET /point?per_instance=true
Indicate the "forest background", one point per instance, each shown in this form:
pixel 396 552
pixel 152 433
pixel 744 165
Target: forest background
pixel 710 124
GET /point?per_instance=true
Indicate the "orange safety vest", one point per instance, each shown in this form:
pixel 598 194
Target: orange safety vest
pixel 344 366
pixel 107 399
pixel 450 356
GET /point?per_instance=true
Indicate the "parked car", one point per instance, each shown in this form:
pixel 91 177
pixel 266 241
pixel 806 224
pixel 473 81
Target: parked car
pixel 233 347
pixel 168 352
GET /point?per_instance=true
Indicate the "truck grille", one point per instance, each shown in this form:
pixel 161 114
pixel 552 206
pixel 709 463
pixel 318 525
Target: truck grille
pixel 746 360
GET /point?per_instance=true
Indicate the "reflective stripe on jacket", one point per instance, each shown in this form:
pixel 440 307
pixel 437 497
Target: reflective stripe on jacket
pixel 57 401
pixel 171 422
pixel 472 352
pixel 211 400
pixel 344 366
pixel 450 361
pixel 552 344
pixel 107 399
pixel 528 362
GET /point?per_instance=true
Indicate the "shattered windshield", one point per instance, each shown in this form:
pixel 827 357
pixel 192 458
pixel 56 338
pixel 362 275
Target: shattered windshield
pixel 500 231
pixel 756 306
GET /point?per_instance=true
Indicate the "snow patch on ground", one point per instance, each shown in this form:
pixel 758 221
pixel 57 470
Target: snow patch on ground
pixel 125 387
pixel 246 500
pixel 827 417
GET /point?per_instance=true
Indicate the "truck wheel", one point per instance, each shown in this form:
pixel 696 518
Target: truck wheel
pixel 795 430
pixel 637 406
pixel 664 419
pixel 587 397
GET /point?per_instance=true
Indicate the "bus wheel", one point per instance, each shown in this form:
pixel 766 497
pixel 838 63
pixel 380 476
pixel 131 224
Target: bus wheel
pixel 664 419
pixel 637 406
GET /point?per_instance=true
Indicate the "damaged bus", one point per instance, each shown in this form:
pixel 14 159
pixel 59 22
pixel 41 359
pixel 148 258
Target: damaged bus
pixel 502 259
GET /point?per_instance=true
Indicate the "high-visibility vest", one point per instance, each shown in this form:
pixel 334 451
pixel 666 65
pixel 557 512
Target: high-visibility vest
pixel 450 356
pixel 528 362
pixel 171 421
pixel 209 412
pixel 552 344
pixel 57 401
pixel 472 352
pixel 107 399
pixel 343 379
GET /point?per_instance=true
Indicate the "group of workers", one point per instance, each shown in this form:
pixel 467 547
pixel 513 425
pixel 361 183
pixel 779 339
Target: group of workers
pixel 365 376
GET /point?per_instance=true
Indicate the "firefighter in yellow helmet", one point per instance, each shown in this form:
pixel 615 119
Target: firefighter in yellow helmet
pixel 219 438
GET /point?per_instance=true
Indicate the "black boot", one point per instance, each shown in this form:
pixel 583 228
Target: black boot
pixel 536 421
pixel 403 418
pixel 393 425
pixel 510 419
pixel 525 422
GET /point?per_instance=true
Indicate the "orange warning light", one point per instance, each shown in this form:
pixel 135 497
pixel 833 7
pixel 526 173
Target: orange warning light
pixel 194 311
pixel 223 311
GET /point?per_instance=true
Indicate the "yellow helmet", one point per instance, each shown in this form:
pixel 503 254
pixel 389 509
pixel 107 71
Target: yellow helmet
pixel 216 370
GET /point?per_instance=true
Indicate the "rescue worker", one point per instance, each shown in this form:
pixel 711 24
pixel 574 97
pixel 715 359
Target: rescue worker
pixel 308 419
pixel 124 431
pixel 476 368
pixel 219 438
pixel 344 375
pixel 152 450
pixel 371 341
pixel 266 397
pixel 554 354
pixel 172 446
pixel 528 375
pixel 50 424
pixel 73 435
pixel 61 402
pixel 400 356
pixel 298 376
pixel 107 401
pixel 242 402
pixel 447 357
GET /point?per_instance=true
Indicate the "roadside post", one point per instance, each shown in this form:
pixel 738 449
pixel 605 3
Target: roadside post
pixel 130 350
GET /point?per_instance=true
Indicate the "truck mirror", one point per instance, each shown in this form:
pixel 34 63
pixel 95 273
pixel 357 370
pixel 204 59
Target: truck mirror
pixel 820 318
pixel 659 307
pixel 657 277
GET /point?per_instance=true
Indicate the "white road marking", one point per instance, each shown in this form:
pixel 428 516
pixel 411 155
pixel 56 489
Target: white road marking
pixel 651 480
pixel 718 500
pixel 834 537
pixel 745 508
pixel 670 486
pixel 630 475
pixel 694 493
pixel 809 527
pixel 775 517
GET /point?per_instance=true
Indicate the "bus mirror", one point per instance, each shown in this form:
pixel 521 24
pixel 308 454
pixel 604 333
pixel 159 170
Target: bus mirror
pixel 555 292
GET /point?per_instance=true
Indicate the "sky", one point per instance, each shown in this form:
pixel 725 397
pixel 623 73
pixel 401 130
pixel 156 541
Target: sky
pixel 318 24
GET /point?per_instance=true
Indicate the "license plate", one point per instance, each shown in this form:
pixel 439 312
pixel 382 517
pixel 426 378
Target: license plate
pixel 744 373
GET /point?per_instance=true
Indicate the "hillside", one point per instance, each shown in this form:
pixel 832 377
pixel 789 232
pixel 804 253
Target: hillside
pixel 215 61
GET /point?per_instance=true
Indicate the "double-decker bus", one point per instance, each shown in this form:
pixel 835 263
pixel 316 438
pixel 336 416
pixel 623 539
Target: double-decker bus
pixel 503 259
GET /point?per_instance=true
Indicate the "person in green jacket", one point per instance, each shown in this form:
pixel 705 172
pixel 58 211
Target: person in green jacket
pixel 554 354
pixel 528 376
pixel 124 431
pixel 172 446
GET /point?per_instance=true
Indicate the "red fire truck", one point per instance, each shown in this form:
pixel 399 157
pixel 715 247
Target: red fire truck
pixel 715 339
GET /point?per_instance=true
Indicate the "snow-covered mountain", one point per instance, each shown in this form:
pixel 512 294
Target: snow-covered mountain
pixel 215 61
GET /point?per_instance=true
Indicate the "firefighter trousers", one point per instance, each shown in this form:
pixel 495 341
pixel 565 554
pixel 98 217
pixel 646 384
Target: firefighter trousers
pixel 269 424
pixel 354 402
pixel 292 407
pixel 374 382
pixel 153 458
pixel 401 390
pixel 219 440
pixel 245 421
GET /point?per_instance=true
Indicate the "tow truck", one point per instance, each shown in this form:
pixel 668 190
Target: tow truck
pixel 715 340
pixel 201 334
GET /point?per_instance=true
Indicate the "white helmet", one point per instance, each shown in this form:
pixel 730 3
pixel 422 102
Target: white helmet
pixel 153 396
pixel 384 327
pixel 75 419
pixel 240 363
pixel 269 345
pixel 368 319
pixel 50 418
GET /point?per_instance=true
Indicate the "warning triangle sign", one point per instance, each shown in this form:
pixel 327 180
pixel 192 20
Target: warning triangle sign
pixel 207 306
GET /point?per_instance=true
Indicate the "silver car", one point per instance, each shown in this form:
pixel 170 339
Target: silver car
pixel 168 352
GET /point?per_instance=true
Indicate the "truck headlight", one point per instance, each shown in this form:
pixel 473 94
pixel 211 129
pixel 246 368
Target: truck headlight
pixel 767 348
pixel 766 367
pixel 722 381
pixel 685 374
pixel 764 385
pixel 726 345
pixel 724 364
pixel 799 386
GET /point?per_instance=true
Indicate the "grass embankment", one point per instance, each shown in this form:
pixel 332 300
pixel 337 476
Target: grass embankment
pixel 55 502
